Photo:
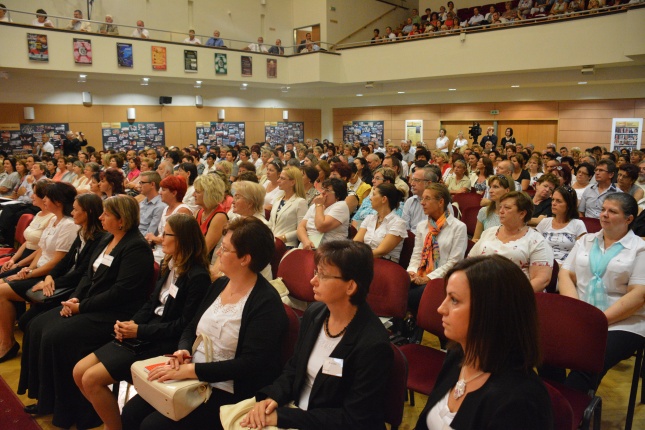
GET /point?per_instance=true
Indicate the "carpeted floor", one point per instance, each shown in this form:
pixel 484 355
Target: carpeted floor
pixel 12 417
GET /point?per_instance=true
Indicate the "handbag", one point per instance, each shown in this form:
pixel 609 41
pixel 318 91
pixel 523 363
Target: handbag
pixel 135 346
pixel 173 399
pixel 59 295
pixel 231 415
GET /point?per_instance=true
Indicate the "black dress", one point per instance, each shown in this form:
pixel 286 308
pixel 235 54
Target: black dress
pixel 53 345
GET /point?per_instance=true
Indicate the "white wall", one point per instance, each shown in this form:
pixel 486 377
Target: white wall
pixel 351 16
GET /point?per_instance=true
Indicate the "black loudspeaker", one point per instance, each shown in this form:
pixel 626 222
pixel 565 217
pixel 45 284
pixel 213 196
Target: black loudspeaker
pixel 163 100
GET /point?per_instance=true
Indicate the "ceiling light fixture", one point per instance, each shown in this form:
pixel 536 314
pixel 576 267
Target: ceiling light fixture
pixel 452 89
pixel 145 81
pixel 401 92
pixel 244 86
pixel 359 95
pixel 82 78
pixel 198 84
pixel 515 86
pixel 582 83
pixel 285 89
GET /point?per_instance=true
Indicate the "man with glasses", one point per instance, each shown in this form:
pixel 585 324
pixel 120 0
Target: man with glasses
pixel 152 154
pixel 373 162
pixel 641 175
pixel 594 196
pixel 412 210
pixel 151 207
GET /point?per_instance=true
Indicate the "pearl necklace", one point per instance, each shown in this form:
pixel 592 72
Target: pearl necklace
pixel 460 387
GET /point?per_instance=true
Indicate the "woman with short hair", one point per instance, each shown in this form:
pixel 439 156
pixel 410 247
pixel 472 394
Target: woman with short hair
pixel 111 182
pixel 627 177
pixel 488 216
pixel 328 217
pixel 209 193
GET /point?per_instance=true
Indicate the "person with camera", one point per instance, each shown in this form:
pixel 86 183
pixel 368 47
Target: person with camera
pixel 72 143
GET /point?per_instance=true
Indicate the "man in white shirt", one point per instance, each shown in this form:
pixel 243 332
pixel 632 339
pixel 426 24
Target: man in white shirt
pixel 412 210
pixel 77 25
pixel 141 31
pixel 41 19
pixel 389 35
pixel 257 47
pixel 191 39
pixel 3 14
pixel 476 19
pixel 46 147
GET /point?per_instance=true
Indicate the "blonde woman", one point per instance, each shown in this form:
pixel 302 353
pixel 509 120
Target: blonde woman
pixel 289 209
pixel 209 193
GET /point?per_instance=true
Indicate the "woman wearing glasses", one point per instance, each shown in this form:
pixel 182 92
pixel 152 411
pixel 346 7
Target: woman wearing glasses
pixel 328 217
pixel 336 376
pixel 488 216
pixel 584 174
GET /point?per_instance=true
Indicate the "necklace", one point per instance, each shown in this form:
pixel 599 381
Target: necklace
pixel 460 387
pixel 342 332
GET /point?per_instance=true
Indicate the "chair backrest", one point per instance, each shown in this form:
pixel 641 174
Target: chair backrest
pixel 388 296
pixel 428 318
pixel 469 217
pixel 592 224
pixel 467 200
pixel 155 277
pixel 280 250
pixel 573 334
pixel 267 214
pixel 406 251
pixel 296 270
pixel 562 411
pixel 469 246
pixel 553 284
pixel 291 337
pixel 351 232
pixel 396 387
pixel 23 223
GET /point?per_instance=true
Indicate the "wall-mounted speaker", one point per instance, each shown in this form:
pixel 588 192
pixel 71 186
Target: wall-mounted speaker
pixel 199 101
pixel 164 100
pixel 87 98
pixel 29 113
pixel 221 114
pixel 132 114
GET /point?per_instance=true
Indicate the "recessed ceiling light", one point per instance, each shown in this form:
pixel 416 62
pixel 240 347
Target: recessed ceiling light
pixel 452 89
pixel 359 95
pixel 401 92
pixel 582 83
pixel 198 84
pixel 82 78
pixel 515 86
pixel 145 81
pixel 285 89
pixel 244 86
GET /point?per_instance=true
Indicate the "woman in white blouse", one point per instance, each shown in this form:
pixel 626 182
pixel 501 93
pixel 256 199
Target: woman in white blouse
pixel 584 174
pixel 460 142
pixel 288 210
pixel 327 218
pixel 442 141
pixel 82 181
pixel 384 231
pixel 271 185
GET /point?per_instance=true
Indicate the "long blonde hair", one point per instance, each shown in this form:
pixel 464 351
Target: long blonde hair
pixel 296 175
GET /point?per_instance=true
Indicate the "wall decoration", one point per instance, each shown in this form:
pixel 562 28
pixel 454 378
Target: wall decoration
pixel 10 141
pixel 190 61
pixel 221 65
pixel 272 68
pixel 159 58
pixel 363 131
pixel 136 135
pixel 220 133
pixel 247 66
pixel 38 48
pixel 283 132
pixel 30 135
pixel 82 51
pixel 414 130
pixel 124 54
pixel 626 133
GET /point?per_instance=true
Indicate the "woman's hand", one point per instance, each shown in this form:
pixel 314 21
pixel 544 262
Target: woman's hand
pixel 47 285
pixel 263 414
pixel 421 280
pixel 23 274
pixel 307 245
pixel 178 358
pixel 167 373
pixel 319 200
pixel 10 264
pixel 70 307
pixel 126 330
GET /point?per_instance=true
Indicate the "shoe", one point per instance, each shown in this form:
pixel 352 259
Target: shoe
pixel 31 409
pixel 11 353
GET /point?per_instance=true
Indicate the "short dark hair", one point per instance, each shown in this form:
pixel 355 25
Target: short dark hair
pixel 609 164
pixel 63 193
pixel 191 169
pixel 549 177
pixel 343 169
pixel 174 156
pixel 250 236
pixel 41 185
pixel 522 201
pixel 627 203
pixel 570 197
pixel 249 166
pixel 590 168
pixel 355 262
pixel 391 193
pixel 503 330
pixel 115 179
pixel 632 170
pixel 311 172
pixel 339 187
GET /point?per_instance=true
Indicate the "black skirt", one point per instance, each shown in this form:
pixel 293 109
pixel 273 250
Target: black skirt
pixel 118 359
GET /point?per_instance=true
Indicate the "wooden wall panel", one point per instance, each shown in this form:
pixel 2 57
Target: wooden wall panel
pixel 542 132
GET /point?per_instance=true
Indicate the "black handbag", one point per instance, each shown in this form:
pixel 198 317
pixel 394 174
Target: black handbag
pixel 60 294
pixel 135 346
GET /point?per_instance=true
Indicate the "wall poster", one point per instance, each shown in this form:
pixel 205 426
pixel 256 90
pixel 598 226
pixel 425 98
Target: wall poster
pixel 20 139
pixel 221 66
pixel 247 66
pixel 190 61
pixel 626 133
pixel 10 141
pixel 136 135
pixel 124 54
pixel 220 133
pixel 159 58
pixel 82 51
pixel 38 49
pixel 363 131
pixel 283 132
pixel 414 130
pixel 272 68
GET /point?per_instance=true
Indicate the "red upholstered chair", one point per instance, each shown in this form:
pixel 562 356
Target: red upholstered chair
pixel 562 412
pixel 553 284
pixel 469 217
pixel 469 247
pixel 573 335
pixel 351 232
pixel 296 270
pixel 23 223
pixel 424 362
pixel 639 374
pixel 291 337
pixel 388 296
pixel 592 224
pixel 406 251
pixel 396 385
pixel 467 200
pixel 280 250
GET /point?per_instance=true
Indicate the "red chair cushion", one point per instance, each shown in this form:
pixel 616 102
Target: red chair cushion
pixel 424 365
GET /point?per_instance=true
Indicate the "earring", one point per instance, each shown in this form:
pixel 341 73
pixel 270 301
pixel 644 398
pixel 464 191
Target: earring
pixel 120 227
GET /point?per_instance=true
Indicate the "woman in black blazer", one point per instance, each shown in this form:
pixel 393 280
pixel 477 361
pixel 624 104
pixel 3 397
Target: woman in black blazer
pixel 338 374
pixel 243 316
pixel 114 288
pixel 158 324
pixel 487 380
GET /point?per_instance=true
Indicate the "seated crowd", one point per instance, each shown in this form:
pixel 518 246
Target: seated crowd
pixel 211 218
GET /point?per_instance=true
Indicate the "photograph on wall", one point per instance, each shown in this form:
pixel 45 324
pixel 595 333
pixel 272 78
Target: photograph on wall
pixel 37 47
pixel 363 131
pixel 10 141
pixel 124 54
pixel 284 132
pixel 272 68
pixel 221 66
pixel 82 51
pixel 247 66
pixel 159 58
pixel 220 133
pixel 190 61
pixel 136 135
pixel 626 133
pixel 31 135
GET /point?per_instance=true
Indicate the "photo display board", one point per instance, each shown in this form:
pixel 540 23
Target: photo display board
pixel 136 135
pixel 283 132
pixel 220 133
pixel 363 131
pixel 626 133
pixel 20 139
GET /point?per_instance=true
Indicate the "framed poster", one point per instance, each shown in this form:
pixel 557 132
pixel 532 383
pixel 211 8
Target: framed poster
pixel 221 66
pixel 10 141
pixel 124 54
pixel 190 61
pixel 82 51
pixel 38 49
pixel 272 68
pixel 159 58
pixel 220 133
pixel 136 135
pixel 414 130
pixel 363 131
pixel 626 133
pixel 247 66
pixel 284 132
pixel 31 135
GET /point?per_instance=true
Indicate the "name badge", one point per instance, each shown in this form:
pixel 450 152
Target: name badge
pixel 173 290
pixel 107 260
pixel 333 366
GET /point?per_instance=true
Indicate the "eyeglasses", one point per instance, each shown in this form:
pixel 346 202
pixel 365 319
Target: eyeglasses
pixel 164 234
pixel 602 170
pixel 326 191
pixel 416 180
pixel 144 182
pixel 322 276
pixel 222 250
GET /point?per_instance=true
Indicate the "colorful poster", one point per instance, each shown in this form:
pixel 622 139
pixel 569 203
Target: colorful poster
pixel 31 135
pixel 220 133
pixel 272 68
pixel 247 66
pixel 284 132
pixel 136 135
pixel 190 61
pixel 626 133
pixel 82 51
pixel 124 54
pixel 221 67
pixel 38 47
pixel 363 131
pixel 159 58
pixel 10 141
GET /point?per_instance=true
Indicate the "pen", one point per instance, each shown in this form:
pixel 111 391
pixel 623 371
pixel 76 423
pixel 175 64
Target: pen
pixel 172 356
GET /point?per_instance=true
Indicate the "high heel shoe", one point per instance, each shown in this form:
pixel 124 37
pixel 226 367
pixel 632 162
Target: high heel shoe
pixel 11 353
